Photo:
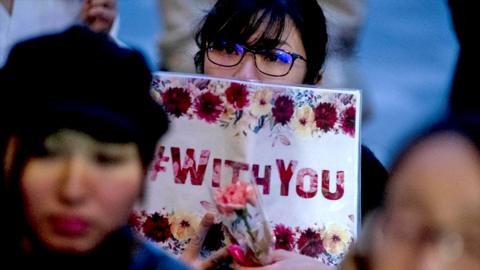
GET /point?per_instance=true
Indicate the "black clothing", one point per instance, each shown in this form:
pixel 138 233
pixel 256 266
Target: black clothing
pixel 374 177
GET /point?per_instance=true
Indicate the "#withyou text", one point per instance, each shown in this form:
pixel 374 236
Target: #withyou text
pixel 287 173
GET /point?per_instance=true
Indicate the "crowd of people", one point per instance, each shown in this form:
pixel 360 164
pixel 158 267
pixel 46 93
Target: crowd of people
pixel 74 159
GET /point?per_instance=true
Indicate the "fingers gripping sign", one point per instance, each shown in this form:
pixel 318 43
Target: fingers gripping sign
pixel 191 254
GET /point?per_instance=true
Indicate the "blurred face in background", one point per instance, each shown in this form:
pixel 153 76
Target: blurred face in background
pixel 77 190
pixel 432 213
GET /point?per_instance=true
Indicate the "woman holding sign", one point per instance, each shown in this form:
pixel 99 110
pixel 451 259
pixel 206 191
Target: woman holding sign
pixel 274 41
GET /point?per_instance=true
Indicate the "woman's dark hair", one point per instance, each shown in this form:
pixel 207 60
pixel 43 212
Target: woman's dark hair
pixel 238 20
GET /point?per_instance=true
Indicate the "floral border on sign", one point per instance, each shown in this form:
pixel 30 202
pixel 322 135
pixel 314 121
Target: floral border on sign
pixel 329 244
pixel 248 109
pixel 173 231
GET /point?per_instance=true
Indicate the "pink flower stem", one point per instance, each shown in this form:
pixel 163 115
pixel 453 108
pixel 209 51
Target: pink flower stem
pixel 243 214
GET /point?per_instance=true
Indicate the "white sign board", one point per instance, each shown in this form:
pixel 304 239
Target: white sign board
pixel 299 144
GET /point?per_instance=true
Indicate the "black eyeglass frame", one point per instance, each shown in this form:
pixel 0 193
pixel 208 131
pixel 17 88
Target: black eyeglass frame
pixel 246 49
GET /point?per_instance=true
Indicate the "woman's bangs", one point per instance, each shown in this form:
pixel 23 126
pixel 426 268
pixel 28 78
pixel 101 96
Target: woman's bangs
pixel 243 29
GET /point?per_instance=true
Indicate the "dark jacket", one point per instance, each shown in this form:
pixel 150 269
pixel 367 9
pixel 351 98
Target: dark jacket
pixel 373 180
pixel 122 250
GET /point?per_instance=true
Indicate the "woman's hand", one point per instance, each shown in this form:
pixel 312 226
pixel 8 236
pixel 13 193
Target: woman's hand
pixel 99 15
pixel 287 260
pixel 191 254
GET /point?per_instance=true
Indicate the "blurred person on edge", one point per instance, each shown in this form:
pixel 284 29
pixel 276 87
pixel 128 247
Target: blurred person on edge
pixel 24 19
pixel 77 117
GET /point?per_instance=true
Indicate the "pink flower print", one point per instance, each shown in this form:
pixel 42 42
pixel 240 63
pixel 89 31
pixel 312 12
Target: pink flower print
pixel 208 107
pixel 235 197
pixel 310 243
pixel 348 121
pixel 176 101
pixel 283 109
pixel 237 95
pixel 284 237
pixel 325 116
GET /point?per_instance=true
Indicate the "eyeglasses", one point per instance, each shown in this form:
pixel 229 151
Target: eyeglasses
pixel 274 62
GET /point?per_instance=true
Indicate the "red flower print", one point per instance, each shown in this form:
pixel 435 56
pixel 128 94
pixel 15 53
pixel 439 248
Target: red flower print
pixel 208 107
pixel 325 116
pixel 176 101
pixel 135 220
pixel 283 109
pixel 310 243
pixel 284 237
pixel 157 227
pixel 348 121
pixel 237 95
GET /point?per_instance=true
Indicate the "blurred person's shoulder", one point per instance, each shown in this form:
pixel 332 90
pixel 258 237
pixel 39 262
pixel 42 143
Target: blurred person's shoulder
pixel 148 256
